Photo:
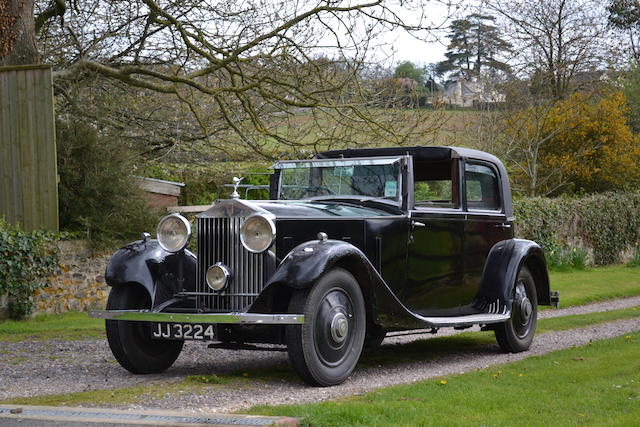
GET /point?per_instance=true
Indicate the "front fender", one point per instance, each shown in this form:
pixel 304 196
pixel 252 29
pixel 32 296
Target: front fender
pixel 501 270
pixel 304 265
pixel 160 272
pixel 308 261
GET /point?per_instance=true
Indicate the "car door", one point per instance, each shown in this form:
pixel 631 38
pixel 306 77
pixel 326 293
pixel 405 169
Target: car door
pixel 487 223
pixel 435 260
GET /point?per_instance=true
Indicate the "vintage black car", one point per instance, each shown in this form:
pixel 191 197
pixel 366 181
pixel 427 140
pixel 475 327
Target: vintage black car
pixel 353 244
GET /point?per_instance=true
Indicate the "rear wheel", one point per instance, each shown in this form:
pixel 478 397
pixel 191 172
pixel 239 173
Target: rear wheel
pixel 131 342
pixel 516 334
pixel 326 348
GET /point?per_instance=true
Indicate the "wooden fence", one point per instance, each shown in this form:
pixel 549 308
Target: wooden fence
pixel 28 170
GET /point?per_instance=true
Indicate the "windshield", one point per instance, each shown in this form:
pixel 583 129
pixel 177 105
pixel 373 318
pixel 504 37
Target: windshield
pixel 308 179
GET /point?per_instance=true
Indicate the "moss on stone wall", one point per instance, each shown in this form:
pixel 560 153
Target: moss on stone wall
pixel 77 284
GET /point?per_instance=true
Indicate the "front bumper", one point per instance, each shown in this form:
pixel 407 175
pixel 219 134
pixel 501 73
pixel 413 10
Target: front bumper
pixel 235 318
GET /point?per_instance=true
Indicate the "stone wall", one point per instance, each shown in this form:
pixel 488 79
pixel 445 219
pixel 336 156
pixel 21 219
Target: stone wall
pixel 78 284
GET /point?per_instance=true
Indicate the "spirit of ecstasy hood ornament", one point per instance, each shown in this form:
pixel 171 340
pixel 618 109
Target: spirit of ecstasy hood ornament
pixel 236 183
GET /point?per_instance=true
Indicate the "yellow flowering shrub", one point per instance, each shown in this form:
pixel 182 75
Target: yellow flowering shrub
pixel 594 145
pixel 581 143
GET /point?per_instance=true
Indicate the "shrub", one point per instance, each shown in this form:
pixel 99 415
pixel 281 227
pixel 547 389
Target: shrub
pixel 606 223
pixel 99 197
pixel 26 259
pixel 578 144
pixel 594 146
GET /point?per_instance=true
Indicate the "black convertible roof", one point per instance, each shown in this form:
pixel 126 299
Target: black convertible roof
pixel 419 152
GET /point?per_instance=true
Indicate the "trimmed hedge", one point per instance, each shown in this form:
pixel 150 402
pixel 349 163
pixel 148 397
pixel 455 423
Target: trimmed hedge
pixel 606 225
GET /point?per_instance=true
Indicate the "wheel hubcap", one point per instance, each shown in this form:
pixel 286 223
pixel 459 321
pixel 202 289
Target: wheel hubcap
pixel 523 311
pixel 339 327
pixel 334 326
pixel 526 309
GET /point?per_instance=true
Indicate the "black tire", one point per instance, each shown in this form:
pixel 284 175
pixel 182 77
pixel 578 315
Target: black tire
pixel 516 334
pixel 326 348
pixel 131 342
pixel 374 337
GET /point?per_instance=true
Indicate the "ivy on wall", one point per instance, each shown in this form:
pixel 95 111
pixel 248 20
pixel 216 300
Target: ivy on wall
pixel 26 259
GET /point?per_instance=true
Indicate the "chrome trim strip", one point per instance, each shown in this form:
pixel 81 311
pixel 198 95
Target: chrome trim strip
pixel 472 319
pixel 243 318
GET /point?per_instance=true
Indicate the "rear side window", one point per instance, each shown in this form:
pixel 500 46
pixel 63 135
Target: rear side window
pixel 482 189
pixel 435 185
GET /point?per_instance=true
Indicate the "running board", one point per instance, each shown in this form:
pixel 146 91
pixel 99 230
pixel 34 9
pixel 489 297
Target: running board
pixel 469 320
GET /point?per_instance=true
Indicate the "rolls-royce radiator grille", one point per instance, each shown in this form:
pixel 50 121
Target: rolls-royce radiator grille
pixel 219 241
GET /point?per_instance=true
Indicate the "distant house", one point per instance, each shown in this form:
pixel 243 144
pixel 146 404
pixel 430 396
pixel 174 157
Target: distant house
pixel 463 92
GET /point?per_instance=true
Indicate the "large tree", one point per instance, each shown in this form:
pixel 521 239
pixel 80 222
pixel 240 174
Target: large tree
pixel 555 40
pixel 17 33
pixel 476 45
pixel 408 70
pixel 624 15
pixel 254 66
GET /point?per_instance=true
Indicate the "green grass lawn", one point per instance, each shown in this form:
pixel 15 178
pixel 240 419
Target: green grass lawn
pixel 596 284
pixel 581 320
pixel 69 326
pixel 597 384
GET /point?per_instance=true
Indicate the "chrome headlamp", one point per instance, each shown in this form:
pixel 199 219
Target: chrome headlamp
pixel 257 233
pixel 218 276
pixel 174 232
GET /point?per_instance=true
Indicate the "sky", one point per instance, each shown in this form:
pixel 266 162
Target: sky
pixel 406 47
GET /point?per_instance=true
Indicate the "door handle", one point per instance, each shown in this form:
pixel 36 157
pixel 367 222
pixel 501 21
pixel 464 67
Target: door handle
pixel 418 224
pixel 503 225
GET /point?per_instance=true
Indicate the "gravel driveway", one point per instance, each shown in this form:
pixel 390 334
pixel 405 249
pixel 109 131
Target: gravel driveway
pixel 51 367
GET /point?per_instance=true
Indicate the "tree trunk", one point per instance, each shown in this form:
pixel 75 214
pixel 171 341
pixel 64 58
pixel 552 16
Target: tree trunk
pixel 17 33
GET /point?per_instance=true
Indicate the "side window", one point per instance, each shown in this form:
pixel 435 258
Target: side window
pixel 482 189
pixel 434 184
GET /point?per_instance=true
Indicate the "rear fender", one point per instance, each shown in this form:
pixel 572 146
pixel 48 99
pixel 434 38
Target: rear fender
pixel 159 272
pixel 505 260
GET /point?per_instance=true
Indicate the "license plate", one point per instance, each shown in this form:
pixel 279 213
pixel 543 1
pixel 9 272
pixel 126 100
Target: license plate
pixel 182 331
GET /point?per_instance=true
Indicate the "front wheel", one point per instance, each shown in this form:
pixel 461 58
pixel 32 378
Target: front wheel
pixel 326 348
pixel 516 334
pixel 131 342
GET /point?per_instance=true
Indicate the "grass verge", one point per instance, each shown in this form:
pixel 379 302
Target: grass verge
pixel 127 395
pixel 66 326
pixel 582 320
pixel 597 384
pixel 596 284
